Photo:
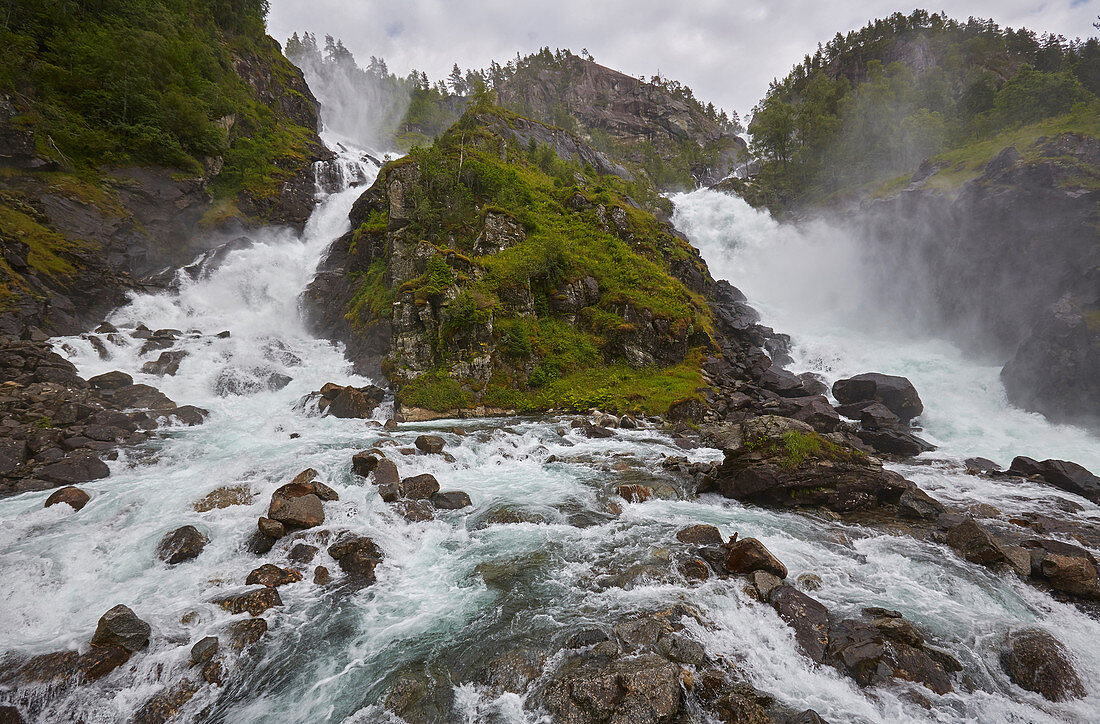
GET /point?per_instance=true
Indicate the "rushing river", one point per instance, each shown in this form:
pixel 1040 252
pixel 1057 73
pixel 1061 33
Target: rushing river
pixel 454 593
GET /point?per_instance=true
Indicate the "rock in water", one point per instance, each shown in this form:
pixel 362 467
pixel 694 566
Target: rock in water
pixel 808 617
pixel 75 497
pixel 419 487
pixel 1062 474
pixel 896 393
pixel 700 535
pixel 749 554
pixel 1037 661
pixel 430 444
pixel 451 500
pixel 181 545
pixel 121 627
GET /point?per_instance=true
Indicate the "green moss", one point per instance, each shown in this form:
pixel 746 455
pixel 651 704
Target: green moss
pixel 435 391
pixel 373 299
pixel 46 249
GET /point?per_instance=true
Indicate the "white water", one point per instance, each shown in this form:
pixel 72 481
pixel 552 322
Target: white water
pixel 451 595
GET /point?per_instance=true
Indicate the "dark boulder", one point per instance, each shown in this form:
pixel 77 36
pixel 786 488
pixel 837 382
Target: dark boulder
pixel 356 555
pixel 643 689
pixel 1062 474
pixel 75 497
pixel 364 463
pixel 807 616
pixel 111 380
pixel 1038 662
pixel 895 442
pixel 181 545
pixel 350 402
pixel 386 473
pixel 204 650
pixel 451 500
pixel 245 633
pixel 877 415
pixel 419 487
pixel 76 467
pixel 429 444
pixel 976 544
pixel 272 576
pixel 634 493
pixel 253 602
pixel 297 505
pixel 896 393
pixel 748 555
pixel 865 653
pixel 700 535
pixel 814 410
pixel 121 627
pixel 271 528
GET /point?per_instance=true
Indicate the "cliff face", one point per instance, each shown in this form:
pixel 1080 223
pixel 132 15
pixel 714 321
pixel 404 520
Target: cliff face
pixel 494 271
pixel 1008 265
pixel 637 123
pixel 81 225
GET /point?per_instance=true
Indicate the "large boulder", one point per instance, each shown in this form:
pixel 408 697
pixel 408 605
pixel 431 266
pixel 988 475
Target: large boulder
pixel 181 545
pixel 807 616
pixel 748 555
pixel 357 556
pixel 121 627
pixel 419 487
pixel 643 689
pixel 894 442
pixel 976 544
pixel 298 504
pixel 871 655
pixel 1062 474
pixel 73 496
pixel 1037 661
pixel 348 401
pixel 896 393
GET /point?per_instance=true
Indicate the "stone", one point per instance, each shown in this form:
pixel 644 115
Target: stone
pixel 296 511
pixel 111 380
pixel 76 467
pixel 321 576
pixel 10 715
pixel 451 500
pixel 862 652
pixel 389 492
pixel 895 442
pixel 807 616
pixel 259 544
pixel 352 402
pixel 386 473
pixel 1074 575
pixel 1036 661
pixel 974 543
pixel 141 397
pixel 764 583
pixel 897 394
pixel 814 410
pixel 419 487
pixel 877 415
pixel 204 650
pixel 642 689
pixel 700 535
pixel 74 496
pixel 634 493
pixel 356 555
pixel 809 582
pixel 514 670
pixel 245 633
pixel 302 552
pixel 223 498
pixel 748 555
pixel 695 569
pixel 429 444
pixel 121 627
pixel 586 637
pixel 181 545
pixel 253 602
pixel 363 463
pixel 271 528
pixel 1062 474
pixel 272 576
pixel 414 511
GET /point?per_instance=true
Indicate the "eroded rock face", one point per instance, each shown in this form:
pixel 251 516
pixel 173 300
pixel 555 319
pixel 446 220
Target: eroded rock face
pixel 644 689
pixel 1038 662
pixel 1062 474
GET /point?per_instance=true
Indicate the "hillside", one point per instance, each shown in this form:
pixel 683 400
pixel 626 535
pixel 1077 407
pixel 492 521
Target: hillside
pixel 128 134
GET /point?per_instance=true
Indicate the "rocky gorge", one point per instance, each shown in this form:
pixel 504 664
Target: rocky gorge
pixel 493 436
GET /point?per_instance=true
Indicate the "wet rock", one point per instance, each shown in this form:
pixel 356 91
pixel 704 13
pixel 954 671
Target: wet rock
pixel 862 652
pixel 187 415
pixel 700 535
pixel 974 543
pixel 386 473
pixel 74 496
pixel 141 397
pixel 100 661
pixel 259 544
pixel 204 650
pixel 356 555
pixel 223 498
pixel 695 569
pixel 213 673
pixel 272 576
pixel 595 432
pixel 982 465
pixel 515 670
pixel 642 689
pixel 74 468
pixel 10 715
pixel 429 444
pixel 1038 662
pixel 302 552
pixel 895 442
pixel 296 506
pixel 419 487
pixel 748 555
pixel 814 410
pixel 876 415
pixel 1062 474
pixel 111 380
pixel 634 493
pixel 1075 575
pixel 121 627
pixel 181 545
pixel 586 637
pixel 808 617
pixel 896 393
pixel 271 528
pixel 321 576
pixel 168 363
pixel 350 402
pixel 451 500
pixel 414 511
pixel 389 492
pixel 809 582
pixel 364 463
pixel 680 648
pixel 253 602
pixel 247 632
pixel 764 583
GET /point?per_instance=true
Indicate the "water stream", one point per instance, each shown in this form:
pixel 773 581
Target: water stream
pixel 454 593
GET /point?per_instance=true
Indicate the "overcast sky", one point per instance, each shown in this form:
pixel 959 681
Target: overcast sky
pixel 726 51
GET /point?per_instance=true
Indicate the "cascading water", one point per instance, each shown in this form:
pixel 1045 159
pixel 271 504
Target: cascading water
pixel 454 593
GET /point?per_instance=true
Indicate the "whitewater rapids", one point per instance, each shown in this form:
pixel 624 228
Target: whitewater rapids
pixel 452 595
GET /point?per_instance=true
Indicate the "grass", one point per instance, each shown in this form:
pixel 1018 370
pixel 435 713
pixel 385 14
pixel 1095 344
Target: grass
pixel 794 448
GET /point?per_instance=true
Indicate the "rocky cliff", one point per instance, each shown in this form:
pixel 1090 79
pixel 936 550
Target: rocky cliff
pixel 1006 262
pixel 80 224
pixel 509 267
pixel 638 123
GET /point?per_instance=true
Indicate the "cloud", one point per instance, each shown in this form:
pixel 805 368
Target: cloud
pixel 726 51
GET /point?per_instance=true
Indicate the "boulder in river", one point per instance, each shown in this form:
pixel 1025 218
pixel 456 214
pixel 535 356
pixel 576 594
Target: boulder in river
pixel 272 576
pixel 121 627
pixel 253 601
pixel 348 401
pixel 976 544
pixel 748 555
pixel 1038 662
pixel 642 689
pixel 419 487
pixel 297 505
pixel 363 463
pixel 74 496
pixel 1062 474
pixel 700 535
pixel 111 380
pixel 451 500
pixel 429 444
pixel 807 616
pixel 894 442
pixel 357 555
pixel 896 393
pixel 181 545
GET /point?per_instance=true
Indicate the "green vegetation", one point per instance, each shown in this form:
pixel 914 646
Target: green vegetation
pixel 794 448
pixel 869 106
pixel 150 82
pixel 578 261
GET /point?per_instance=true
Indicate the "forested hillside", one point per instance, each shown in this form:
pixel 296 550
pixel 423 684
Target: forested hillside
pixel 870 105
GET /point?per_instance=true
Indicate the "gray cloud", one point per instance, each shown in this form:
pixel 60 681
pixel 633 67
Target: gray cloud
pixel 726 51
